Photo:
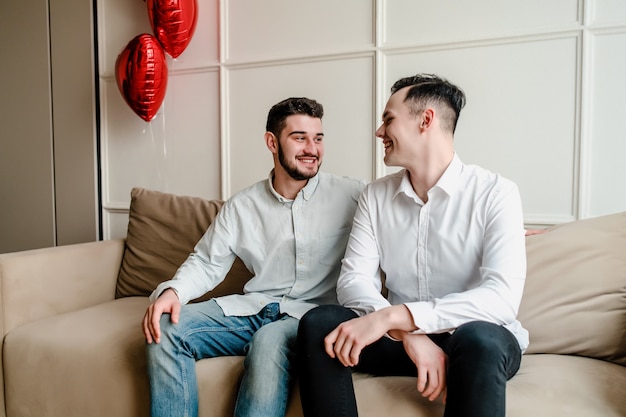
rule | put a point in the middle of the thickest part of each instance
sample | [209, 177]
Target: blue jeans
[267, 339]
[481, 358]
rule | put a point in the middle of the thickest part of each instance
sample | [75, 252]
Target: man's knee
[320, 321]
[484, 342]
[476, 336]
[273, 339]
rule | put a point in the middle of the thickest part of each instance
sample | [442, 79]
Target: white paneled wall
[179, 150]
[544, 82]
[516, 122]
[337, 83]
[605, 182]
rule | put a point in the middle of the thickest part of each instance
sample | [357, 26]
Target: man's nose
[380, 131]
[310, 147]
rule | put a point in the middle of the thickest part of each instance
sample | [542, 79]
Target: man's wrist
[173, 290]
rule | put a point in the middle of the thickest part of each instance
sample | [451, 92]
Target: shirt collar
[307, 191]
[449, 182]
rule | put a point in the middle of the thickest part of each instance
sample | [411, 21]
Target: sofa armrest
[40, 283]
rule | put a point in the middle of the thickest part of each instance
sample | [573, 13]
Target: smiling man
[449, 238]
[291, 232]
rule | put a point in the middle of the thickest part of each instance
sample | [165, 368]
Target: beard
[293, 170]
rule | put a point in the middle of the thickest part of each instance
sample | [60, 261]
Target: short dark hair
[432, 90]
[288, 107]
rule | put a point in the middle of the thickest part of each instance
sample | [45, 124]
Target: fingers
[431, 384]
[154, 323]
[150, 324]
[166, 303]
[436, 385]
[339, 345]
[431, 363]
[146, 330]
[175, 313]
[347, 351]
[329, 343]
[422, 380]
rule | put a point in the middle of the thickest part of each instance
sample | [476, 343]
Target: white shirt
[293, 247]
[460, 257]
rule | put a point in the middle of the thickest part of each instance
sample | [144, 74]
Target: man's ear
[428, 116]
[271, 142]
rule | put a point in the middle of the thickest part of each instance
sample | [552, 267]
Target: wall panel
[177, 150]
[426, 22]
[607, 125]
[605, 12]
[273, 29]
[522, 124]
[337, 84]
[119, 21]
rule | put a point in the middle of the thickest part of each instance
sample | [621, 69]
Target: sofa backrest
[162, 231]
[575, 294]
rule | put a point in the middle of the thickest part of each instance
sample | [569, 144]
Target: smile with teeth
[387, 144]
[308, 159]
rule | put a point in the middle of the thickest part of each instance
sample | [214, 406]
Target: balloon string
[159, 151]
[163, 148]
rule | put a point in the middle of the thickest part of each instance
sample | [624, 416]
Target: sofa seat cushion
[89, 362]
[545, 386]
[562, 385]
[92, 363]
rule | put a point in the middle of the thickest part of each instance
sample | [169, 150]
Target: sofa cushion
[163, 229]
[563, 385]
[89, 362]
[92, 363]
[575, 295]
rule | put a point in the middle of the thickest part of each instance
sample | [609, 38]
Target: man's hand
[431, 363]
[349, 338]
[166, 303]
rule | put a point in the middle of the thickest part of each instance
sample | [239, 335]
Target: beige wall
[47, 128]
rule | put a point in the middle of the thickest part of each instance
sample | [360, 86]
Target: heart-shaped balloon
[173, 23]
[141, 75]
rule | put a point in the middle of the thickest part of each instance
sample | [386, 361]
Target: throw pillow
[575, 295]
[163, 230]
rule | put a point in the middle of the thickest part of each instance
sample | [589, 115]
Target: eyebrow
[302, 132]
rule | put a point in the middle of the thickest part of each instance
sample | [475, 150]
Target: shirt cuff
[424, 316]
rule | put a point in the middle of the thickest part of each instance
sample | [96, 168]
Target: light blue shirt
[457, 258]
[293, 247]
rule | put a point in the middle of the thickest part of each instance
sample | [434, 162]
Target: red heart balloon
[141, 75]
[173, 23]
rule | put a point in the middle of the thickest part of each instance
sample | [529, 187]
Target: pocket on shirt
[332, 246]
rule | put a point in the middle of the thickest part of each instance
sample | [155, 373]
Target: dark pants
[481, 358]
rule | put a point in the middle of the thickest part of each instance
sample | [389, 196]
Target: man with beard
[291, 232]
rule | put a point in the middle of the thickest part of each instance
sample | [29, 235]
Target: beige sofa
[72, 345]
